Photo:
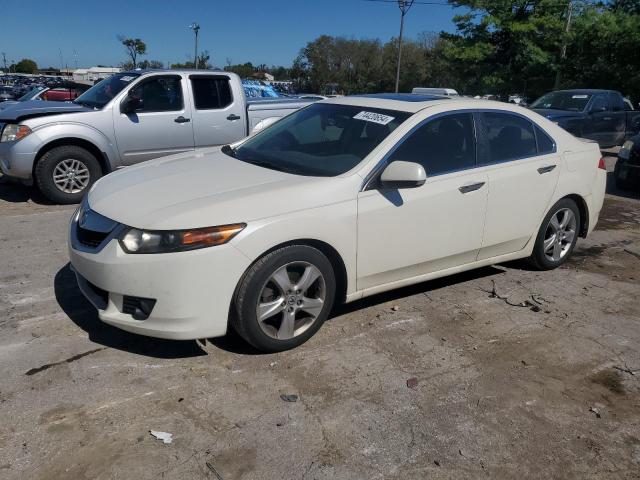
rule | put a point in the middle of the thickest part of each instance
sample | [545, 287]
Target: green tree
[506, 47]
[244, 70]
[133, 47]
[203, 62]
[25, 65]
[604, 51]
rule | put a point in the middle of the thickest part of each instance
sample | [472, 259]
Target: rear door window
[506, 137]
[211, 93]
[443, 145]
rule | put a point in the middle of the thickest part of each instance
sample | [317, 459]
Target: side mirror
[130, 105]
[401, 174]
[598, 109]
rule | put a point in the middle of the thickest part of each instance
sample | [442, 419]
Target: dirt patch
[610, 379]
[618, 215]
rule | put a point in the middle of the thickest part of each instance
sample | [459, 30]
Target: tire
[556, 252]
[303, 310]
[67, 159]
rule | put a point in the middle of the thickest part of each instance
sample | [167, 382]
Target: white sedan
[343, 199]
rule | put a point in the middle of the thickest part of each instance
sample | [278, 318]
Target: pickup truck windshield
[572, 101]
[102, 93]
[322, 140]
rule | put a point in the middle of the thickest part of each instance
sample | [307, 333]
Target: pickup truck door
[160, 123]
[219, 113]
[602, 123]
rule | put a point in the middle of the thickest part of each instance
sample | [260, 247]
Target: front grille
[139, 308]
[89, 238]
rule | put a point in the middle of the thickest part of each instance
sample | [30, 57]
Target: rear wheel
[64, 174]
[557, 236]
[284, 298]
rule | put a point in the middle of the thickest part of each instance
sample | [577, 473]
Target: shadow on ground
[83, 314]
[14, 192]
[613, 190]
[419, 288]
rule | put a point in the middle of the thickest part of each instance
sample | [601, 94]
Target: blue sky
[270, 32]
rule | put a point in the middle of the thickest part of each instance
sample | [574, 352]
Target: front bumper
[193, 290]
[16, 158]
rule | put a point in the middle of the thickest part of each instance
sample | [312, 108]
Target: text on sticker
[374, 117]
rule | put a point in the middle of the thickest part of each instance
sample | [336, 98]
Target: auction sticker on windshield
[374, 117]
[127, 78]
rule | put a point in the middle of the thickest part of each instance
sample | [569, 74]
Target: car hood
[7, 104]
[206, 188]
[552, 114]
[39, 108]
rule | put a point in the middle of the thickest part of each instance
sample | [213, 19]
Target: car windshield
[102, 93]
[320, 140]
[30, 94]
[572, 101]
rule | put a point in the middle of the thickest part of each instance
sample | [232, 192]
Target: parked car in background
[126, 119]
[627, 169]
[599, 115]
[66, 93]
[447, 92]
[6, 94]
[338, 201]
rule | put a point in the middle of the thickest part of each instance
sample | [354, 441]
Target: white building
[90, 75]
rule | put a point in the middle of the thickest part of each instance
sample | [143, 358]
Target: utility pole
[563, 51]
[61, 60]
[196, 28]
[4, 60]
[404, 5]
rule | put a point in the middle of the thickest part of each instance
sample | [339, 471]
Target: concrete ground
[439, 380]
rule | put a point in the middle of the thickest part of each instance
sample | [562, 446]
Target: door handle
[546, 169]
[606, 118]
[181, 119]
[233, 117]
[471, 187]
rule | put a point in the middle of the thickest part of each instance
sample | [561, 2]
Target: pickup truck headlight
[13, 132]
[135, 240]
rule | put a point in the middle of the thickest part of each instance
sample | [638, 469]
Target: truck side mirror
[598, 109]
[130, 104]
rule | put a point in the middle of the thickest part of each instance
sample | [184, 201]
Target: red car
[60, 94]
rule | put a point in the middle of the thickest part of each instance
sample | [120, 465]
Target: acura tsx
[342, 199]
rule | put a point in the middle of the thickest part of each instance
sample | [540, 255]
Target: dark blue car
[600, 115]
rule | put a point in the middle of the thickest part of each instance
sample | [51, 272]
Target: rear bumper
[596, 200]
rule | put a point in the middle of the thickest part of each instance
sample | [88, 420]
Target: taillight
[601, 164]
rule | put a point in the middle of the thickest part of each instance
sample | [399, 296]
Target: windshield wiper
[271, 165]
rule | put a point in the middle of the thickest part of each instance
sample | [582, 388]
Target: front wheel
[284, 298]
[557, 236]
[64, 174]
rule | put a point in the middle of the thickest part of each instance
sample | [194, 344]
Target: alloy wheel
[71, 176]
[291, 300]
[559, 235]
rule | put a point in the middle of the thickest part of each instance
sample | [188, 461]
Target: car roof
[412, 103]
[586, 90]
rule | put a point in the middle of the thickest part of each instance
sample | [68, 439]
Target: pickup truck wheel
[64, 174]
[284, 298]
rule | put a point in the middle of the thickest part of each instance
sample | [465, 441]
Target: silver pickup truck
[128, 118]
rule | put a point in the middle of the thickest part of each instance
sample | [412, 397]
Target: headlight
[135, 240]
[13, 132]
